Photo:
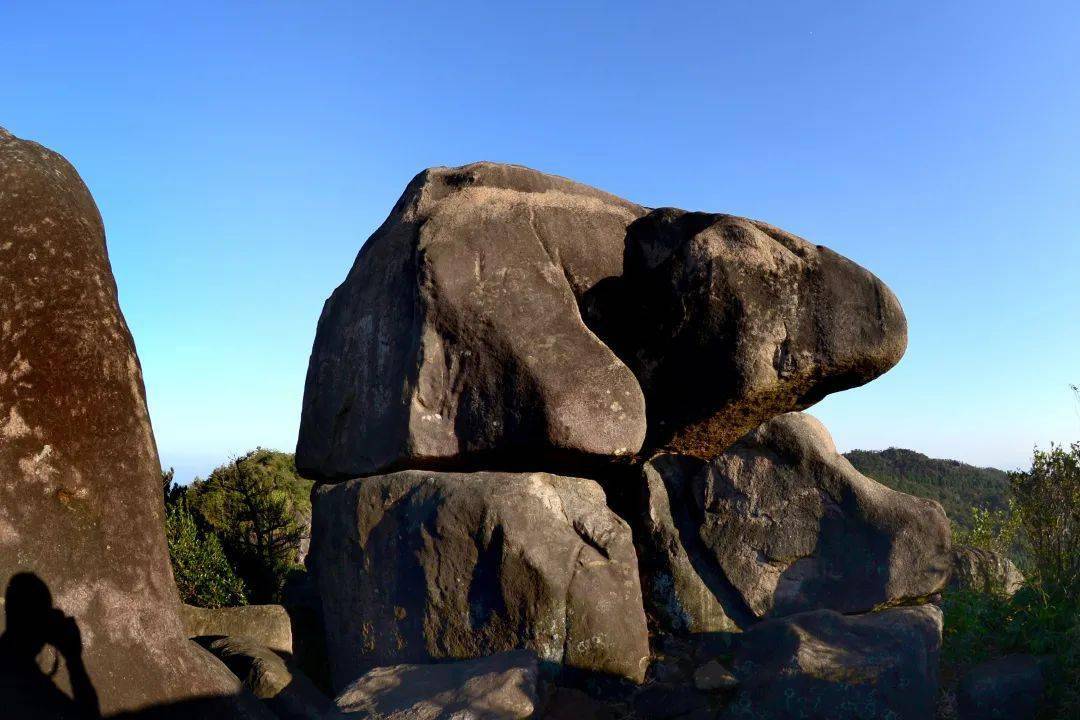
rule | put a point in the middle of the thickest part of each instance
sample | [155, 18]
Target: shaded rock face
[499, 687]
[727, 322]
[1007, 687]
[822, 665]
[501, 317]
[780, 523]
[267, 625]
[457, 332]
[984, 571]
[416, 566]
[80, 498]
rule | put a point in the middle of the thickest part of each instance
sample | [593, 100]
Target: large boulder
[267, 625]
[822, 665]
[778, 524]
[499, 687]
[501, 315]
[420, 566]
[727, 322]
[1007, 687]
[457, 333]
[983, 570]
[81, 512]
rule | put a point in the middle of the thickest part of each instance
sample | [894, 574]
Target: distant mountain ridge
[957, 486]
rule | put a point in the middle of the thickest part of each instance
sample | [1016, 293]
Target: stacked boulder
[514, 357]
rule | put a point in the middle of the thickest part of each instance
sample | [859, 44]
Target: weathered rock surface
[265, 625]
[286, 691]
[1007, 687]
[780, 523]
[727, 322]
[457, 332]
[984, 571]
[80, 498]
[498, 687]
[478, 325]
[419, 566]
[822, 665]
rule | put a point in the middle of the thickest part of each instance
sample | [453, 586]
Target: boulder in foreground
[822, 665]
[422, 566]
[1006, 687]
[498, 687]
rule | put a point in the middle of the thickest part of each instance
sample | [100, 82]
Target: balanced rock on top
[457, 332]
[501, 317]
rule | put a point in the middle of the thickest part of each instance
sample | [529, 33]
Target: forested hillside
[957, 486]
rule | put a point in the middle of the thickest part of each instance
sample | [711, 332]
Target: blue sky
[241, 153]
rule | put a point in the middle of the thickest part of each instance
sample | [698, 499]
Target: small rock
[714, 676]
[1009, 687]
[498, 687]
[984, 570]
[265, 625]
[287, 692]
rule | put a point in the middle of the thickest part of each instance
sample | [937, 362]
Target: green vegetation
[258, 510]
[203, 574]
[1042, 518]
[957, 486]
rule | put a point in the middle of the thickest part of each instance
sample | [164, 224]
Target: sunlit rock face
[502, 317]
[80, 496]
[456, 337]
[727, 322]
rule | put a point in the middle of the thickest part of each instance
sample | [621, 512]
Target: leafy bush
[1047, 501]
[1043, 618]
[260, 508]
[203, 574]
[991, 529]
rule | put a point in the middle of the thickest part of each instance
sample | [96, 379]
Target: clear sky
[241, 153]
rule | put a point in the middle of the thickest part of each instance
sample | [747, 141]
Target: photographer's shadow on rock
[33, 624]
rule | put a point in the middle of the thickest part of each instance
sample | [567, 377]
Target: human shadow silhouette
[26, 690]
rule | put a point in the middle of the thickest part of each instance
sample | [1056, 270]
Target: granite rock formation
[498, 687]
[822, 665]
[420, 566]
[457, 332]
[501, 316]
[780, 523]
[984, 570]
[81, 514]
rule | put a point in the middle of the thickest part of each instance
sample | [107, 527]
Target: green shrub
[1047, 502]
[260, 509]
[1043, 618]
[991, 529]
[203, 574]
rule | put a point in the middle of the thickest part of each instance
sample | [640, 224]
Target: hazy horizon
[240, 159]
